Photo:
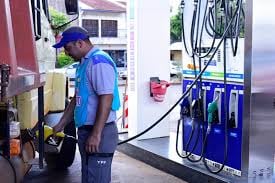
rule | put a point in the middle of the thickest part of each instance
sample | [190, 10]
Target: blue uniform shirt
[96, 75]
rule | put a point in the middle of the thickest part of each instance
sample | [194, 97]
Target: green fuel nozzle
[212, 112]
[212, 108]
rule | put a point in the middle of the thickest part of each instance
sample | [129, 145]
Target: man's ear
[80, 43]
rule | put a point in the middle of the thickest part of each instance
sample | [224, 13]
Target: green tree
[175, 28]
[57, 19]
[63, 59]
[220, 22]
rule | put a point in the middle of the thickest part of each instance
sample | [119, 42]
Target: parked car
[175, 69]
[70, 70]
[122, 73]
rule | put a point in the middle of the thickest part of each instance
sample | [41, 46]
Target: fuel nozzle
[232, 121]
[222, 7]
[212, 114]
[54, 139]
[196, 113]
[182, 5]
[195, 108]
[185, 108]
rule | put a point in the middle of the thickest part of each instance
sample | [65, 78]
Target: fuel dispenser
[191, 115]
[227, 119]
[212, 113]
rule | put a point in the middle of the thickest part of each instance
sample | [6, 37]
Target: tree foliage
[57, 19]
[63, 59]
[175, 28]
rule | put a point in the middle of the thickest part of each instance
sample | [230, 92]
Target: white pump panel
[204, 103]
[233, 105]
[218, 98]
[147, 56]
[190, 97]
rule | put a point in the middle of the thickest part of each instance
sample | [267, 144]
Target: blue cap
[72, 34]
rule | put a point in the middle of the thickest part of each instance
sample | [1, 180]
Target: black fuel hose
[177, 139]
[225, 120]
[186, 92]
[200, 42]
[188, 141]
[197, 6]
[234, 46]
[205, 139]
[202, 151]
[199, 85]
[187, 153]
[195, 21]
[183, 36]
[197, 51]
[211, 17]
[196, 126]
[209, 27]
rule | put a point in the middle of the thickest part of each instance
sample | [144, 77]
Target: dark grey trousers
[97, 168]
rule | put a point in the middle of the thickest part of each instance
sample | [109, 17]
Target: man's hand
[58, 128]
[66, 118]
[102, 113]
[92, 143]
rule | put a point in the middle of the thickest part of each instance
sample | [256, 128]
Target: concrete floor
[138, 172]
[124, 170]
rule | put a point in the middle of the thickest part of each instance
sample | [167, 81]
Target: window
[36, 16]
[46, 8]
[109, 28]
[119, 57]
[91, 26]
[171, 56]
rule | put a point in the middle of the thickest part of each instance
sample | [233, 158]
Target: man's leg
[99, 164]
[82, 137]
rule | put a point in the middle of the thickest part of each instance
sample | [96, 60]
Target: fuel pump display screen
[235, 65]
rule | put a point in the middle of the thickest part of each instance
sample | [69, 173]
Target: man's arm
[67, 116]
[103, 111]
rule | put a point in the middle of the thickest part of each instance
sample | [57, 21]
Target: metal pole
[4, 129]
[41, 125]
[4, 105]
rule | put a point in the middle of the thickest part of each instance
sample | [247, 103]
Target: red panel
[7, 52]
[23, 35]
[18, 46]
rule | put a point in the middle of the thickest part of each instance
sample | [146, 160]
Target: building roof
[104, 5]
[122, 2]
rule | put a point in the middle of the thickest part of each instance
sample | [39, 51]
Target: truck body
[30, 89]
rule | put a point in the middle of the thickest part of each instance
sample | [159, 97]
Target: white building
[174, 7]
[106, 22]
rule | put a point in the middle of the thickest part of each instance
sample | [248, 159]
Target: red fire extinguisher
[158, 88]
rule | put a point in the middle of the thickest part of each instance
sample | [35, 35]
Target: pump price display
[234, 65]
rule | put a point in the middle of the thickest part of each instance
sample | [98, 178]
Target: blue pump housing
[215, 143]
